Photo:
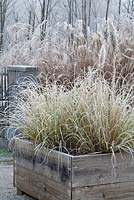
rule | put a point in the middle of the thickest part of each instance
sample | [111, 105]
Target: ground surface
[5, 155]
[7, 191]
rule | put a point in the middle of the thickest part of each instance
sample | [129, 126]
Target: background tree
[32, 16]
[129, 6]
[45, 14]
[89, 16]
[107, 9]
[73, 10]
[119, 10]
[84, 17]
[5, 7]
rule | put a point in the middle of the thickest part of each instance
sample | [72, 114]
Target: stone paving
[7, 191]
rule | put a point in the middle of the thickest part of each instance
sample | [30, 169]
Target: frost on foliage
[19, 33]
[64, 46]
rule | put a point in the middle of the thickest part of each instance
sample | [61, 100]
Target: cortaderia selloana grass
[95, 116]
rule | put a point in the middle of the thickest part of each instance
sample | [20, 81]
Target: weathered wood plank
[97, 169]
[24, 153]
[58, 176]
[117, 191]
[56, 165]
[48, 179]
[40, 187]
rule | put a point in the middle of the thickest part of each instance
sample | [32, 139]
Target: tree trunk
[76, 10]
[132, 8]
[120, 3]
[2, 24]
[70, 12]
[107, 13]
[119, 13]
[107, 10]
[43, 11]
[33, 22]
[4, 7]
[89, 17]
[84, 17]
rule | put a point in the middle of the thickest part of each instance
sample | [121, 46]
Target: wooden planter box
[65, 177]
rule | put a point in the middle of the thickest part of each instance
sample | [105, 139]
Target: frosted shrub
[92, 117]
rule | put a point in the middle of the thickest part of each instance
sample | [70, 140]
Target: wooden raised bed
[65, 177]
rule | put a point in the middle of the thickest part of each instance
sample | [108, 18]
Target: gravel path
[7, 192]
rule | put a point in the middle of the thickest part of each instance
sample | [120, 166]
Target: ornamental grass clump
[94, 116]
[65, 54]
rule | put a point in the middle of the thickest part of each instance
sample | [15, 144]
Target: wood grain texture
[40, 187]
[116, 191]
[42, 175]
[97, 169]
[57, 176]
